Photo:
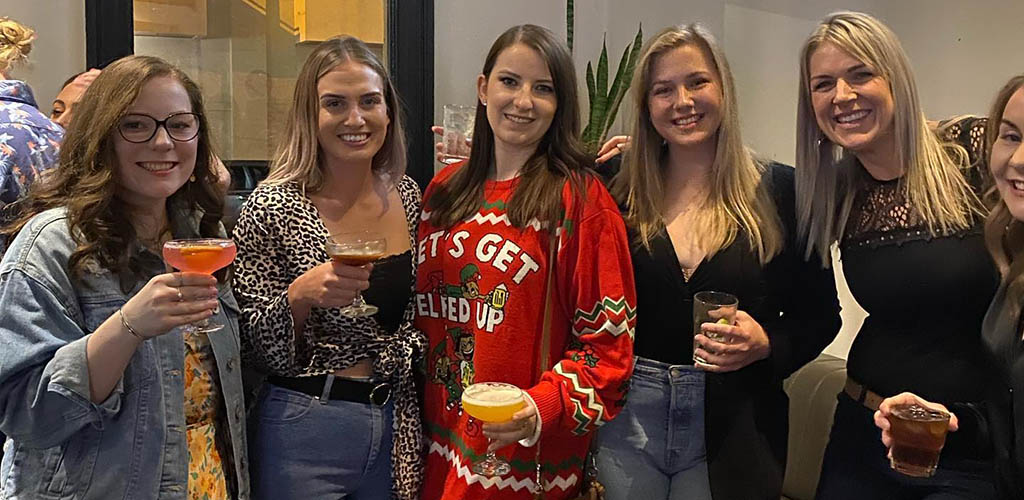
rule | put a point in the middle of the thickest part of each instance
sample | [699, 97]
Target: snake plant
[604, 101]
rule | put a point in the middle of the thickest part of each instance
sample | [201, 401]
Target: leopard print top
[280, 236]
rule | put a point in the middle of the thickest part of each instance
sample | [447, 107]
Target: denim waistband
[665, 373]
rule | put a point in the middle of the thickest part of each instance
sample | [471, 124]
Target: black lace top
[925, 295]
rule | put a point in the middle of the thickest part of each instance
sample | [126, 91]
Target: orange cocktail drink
[200, 256]
[492, 402]
[205, 256]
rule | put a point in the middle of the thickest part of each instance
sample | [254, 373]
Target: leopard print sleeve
[261, 285]
[412, 199]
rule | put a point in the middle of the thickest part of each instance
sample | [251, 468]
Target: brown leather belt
[862, 394]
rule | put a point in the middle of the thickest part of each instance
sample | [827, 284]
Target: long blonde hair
[738, 199]
[299, 156]
[1004, 235]
[934, 183]
[15, 43]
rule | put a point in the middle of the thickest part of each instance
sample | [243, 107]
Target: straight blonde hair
[299, 157]
[1004, 235]
[826, 174]
[738, 198]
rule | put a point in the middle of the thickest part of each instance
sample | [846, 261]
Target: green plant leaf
[591, 86]
[602, 69]
[620, 93]
[616, 92]
[598, 110]
[570, 22]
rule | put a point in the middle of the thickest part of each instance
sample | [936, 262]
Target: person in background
[102, 393]
[69, 95]
[29, 142]
[997, 421]
[904, 207]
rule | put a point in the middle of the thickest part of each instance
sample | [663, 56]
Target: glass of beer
[458, 126]
[712, 307]
[205, 256]
[492, 402]
[357, 249]
[918, 435]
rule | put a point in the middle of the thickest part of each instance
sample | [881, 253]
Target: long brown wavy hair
[86, 184]
[559, 157]
[1004, 235]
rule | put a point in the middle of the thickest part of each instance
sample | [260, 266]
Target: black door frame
[109, 34]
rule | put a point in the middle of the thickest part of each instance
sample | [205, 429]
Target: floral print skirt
[206, 461]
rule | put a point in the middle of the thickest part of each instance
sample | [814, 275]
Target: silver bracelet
[120, 312]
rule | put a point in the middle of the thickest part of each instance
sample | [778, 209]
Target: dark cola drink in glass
[918, 434]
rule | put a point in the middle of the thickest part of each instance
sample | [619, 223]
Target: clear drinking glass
[918, 435]
[712, 307]
[458, 126]
[206, 255]
[492, 402]
[357, 249]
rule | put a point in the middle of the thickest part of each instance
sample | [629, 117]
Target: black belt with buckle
[330, 387]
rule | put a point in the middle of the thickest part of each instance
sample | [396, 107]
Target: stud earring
[192, 178]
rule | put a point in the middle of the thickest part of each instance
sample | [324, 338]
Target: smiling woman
[541, 225]
[94, 353]
[336, 382]
[902, 206]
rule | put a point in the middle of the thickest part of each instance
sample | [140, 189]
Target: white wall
[961, 52]
[59, 49]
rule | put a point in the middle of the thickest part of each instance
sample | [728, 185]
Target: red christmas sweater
[480, 300]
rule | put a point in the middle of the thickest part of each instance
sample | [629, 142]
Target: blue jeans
[654, 448]
[302, 448]
[856, 466]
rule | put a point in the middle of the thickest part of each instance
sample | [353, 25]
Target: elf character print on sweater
[464, 302]
[454, 367]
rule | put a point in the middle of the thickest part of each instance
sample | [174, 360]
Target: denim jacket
[60, 445]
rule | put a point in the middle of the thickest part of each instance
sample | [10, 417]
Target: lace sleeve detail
[969, 133]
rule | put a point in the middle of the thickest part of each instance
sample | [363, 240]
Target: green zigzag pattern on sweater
[517, 464]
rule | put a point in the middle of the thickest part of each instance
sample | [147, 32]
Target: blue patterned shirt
[29, 141]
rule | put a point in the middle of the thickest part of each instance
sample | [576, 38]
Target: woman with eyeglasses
[102, 393]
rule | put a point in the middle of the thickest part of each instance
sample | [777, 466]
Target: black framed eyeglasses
[138, 128]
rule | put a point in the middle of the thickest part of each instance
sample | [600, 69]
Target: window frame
[109, 35]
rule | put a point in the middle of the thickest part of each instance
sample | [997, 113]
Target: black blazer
[999, 421]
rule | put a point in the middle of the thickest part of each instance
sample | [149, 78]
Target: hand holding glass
[458, 127]
[918, 435]
[492, 402]
[204, 256]
[712, 307]
[357, 249]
